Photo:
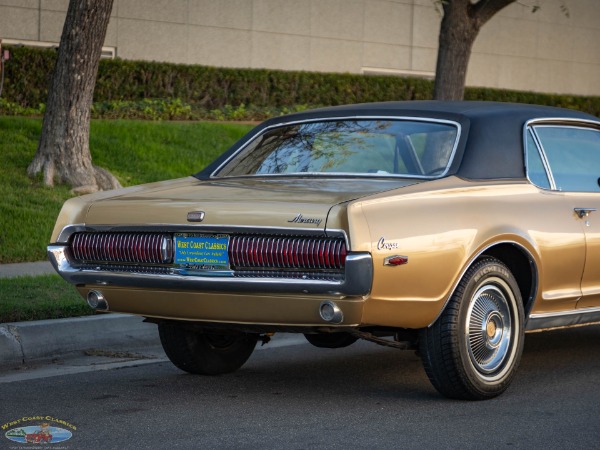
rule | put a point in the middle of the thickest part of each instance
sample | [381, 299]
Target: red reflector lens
[396, 260]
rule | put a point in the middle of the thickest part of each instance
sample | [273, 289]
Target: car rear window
[408, 148]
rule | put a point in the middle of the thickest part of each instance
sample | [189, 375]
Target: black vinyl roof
[491, 142]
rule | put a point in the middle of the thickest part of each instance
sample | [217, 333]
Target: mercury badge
[301, 219]
[195, 216]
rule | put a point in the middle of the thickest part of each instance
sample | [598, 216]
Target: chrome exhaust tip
[330, 312]
[97, 301]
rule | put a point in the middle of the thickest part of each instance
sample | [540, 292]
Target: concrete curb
[23, 343]
[26, 342]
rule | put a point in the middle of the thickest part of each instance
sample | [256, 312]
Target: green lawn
[135, 151]
[41, 297]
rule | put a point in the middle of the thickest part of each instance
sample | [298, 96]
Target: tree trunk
[460, 26]
[457, 35]
[63, 153]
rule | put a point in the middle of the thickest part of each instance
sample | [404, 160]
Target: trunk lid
[277, 202]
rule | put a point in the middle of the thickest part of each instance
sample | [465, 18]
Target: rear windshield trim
[457, 125]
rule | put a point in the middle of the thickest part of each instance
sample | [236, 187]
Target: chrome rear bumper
[356, 281]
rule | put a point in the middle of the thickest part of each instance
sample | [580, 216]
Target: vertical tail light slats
[148, 248]
[245, 252]
[286, 253]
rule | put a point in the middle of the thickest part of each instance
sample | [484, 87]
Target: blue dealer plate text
[202, 250]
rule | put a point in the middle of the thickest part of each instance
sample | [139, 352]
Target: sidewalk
[29, 268]
[26, 344]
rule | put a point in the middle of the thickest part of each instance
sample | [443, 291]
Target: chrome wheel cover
[490, 329]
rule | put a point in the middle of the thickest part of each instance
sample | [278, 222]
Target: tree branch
[484, 10]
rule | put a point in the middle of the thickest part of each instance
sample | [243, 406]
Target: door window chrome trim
[559, 122]
[542, 154]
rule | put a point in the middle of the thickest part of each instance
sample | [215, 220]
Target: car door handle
[584, 212]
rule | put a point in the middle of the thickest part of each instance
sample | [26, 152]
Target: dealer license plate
[208, 252]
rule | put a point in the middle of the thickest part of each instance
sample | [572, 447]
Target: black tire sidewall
[330, 340]
[224, 359]
[485, 271]
[195, 352]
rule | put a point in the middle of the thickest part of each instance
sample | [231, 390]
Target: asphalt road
[301, 397]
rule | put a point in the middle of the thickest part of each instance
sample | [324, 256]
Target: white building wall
[544, 51]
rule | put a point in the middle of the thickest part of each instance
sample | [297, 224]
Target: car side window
[573, 154]
[535, 167]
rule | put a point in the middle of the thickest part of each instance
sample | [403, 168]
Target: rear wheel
[205, 353]
[330, 340]
[472, 351]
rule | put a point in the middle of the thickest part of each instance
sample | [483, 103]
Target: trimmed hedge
[205, 88]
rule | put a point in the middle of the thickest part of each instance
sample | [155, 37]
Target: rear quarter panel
[442, 226]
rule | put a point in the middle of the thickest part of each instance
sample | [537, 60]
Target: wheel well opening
[522, 267]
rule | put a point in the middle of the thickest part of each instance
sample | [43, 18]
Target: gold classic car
[447, 227]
